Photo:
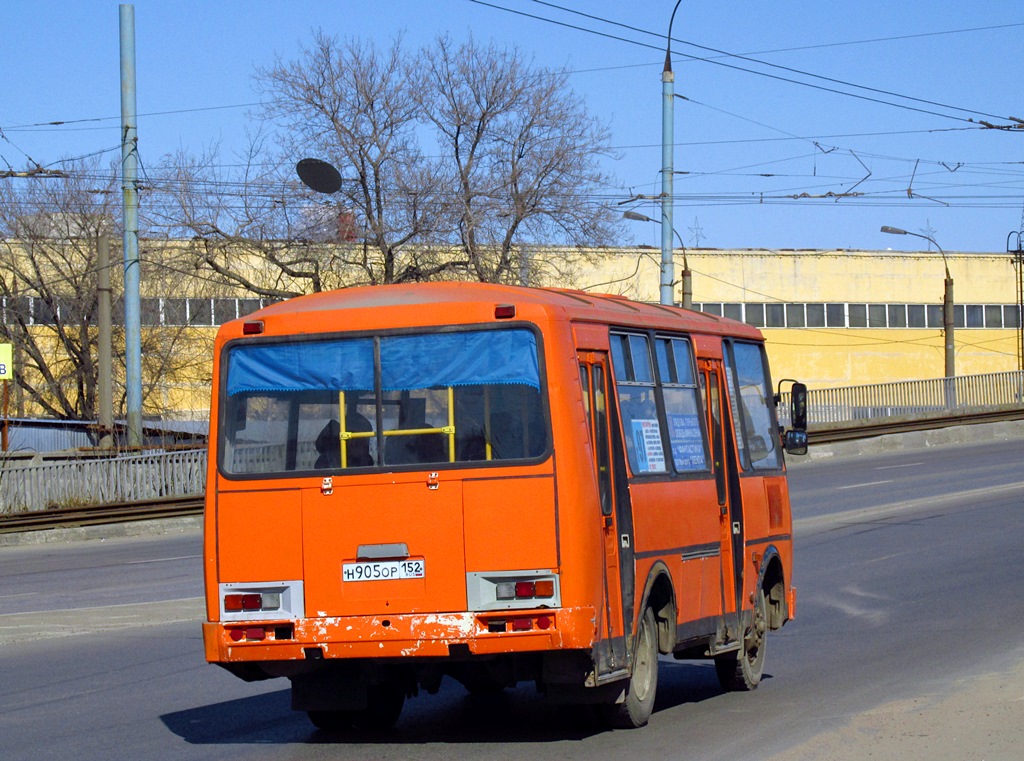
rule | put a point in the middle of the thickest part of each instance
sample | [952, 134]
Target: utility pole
[1016, 250]
[105, 385]
[130, 194]
[668, 79]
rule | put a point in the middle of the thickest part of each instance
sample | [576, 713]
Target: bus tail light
[511, 590]
[247, 633]
[251, 602]
[252, 327]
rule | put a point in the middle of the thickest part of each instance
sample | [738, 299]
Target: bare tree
[454, 161]
[49, 233]
[520, 150]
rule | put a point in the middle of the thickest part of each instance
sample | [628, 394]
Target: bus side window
[682, 411]
[634, 384]
[757, 434]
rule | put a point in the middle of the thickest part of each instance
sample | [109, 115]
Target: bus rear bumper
[438, 635]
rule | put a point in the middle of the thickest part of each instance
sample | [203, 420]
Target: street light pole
[687, 280]
[948, 321]
[667, 168]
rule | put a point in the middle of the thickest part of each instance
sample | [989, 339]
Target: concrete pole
[667, 164]
[105, 385]
[130, 193]
[948, 323]
[667, 169]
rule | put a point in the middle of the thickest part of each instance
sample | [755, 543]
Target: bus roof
[370, 307]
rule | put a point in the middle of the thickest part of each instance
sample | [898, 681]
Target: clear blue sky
[195, 59]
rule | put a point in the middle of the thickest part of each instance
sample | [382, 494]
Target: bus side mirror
[798, 407]
[795, 442]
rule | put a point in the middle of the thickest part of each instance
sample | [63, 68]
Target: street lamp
[667, 149]
[947, 299]
[687, 280]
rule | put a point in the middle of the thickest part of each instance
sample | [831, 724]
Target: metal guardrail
[36, 486]
[128, 478]
[919, 400]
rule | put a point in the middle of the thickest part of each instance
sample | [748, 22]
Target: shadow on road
[451, 716]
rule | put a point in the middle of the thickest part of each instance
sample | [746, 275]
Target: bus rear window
[381, 402]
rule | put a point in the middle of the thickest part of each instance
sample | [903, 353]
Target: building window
[993, 316]
[877, 316]
[916, 316]
[897, 315]
[755, 315]
[715, 309]
[835, 315]
[815, 315]
[224, 310]
[858, 315]
[247, 306]
[175, 312]
[795, 316]
[959, 318]
[200, 312]
[775, 315]
[733, 311]
[975, 316]
[1011, 316]
[149, 311]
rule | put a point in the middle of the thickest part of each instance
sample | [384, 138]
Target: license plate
[383, 570]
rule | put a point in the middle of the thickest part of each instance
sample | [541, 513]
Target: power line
[752, 71]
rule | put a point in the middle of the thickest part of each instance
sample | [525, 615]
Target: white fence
[919, 399]
[129, 478]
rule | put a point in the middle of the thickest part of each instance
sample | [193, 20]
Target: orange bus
[494, 484]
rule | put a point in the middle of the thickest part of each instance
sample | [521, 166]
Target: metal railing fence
[26, 486]
[128, 478]
[921, 399]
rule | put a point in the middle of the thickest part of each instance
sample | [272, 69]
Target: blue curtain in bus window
[304, 366]
[437, 360]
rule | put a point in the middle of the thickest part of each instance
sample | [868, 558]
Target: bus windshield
[382, 402]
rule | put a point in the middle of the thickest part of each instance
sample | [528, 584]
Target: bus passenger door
[726, 472]
[611, 650]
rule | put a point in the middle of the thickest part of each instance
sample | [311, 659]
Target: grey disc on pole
[319, 175]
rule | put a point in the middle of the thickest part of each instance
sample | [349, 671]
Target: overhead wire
[739, 68]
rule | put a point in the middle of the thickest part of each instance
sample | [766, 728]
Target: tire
[384, 705]
[742, 670]
[638, 706]
[332, 721]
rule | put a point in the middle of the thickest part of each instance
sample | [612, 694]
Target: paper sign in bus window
[687, 442]
[650, 454]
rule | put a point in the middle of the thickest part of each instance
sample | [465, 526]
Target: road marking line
[861, 486]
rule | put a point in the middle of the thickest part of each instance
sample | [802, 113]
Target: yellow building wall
[828, 357]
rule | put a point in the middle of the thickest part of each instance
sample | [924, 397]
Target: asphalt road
[908, 569]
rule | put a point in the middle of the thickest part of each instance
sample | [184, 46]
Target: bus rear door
[615, 523]
[726, 472]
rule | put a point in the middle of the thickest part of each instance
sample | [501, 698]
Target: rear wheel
[383, 707]
[636, 709]
[742, 670]
[332, 721]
